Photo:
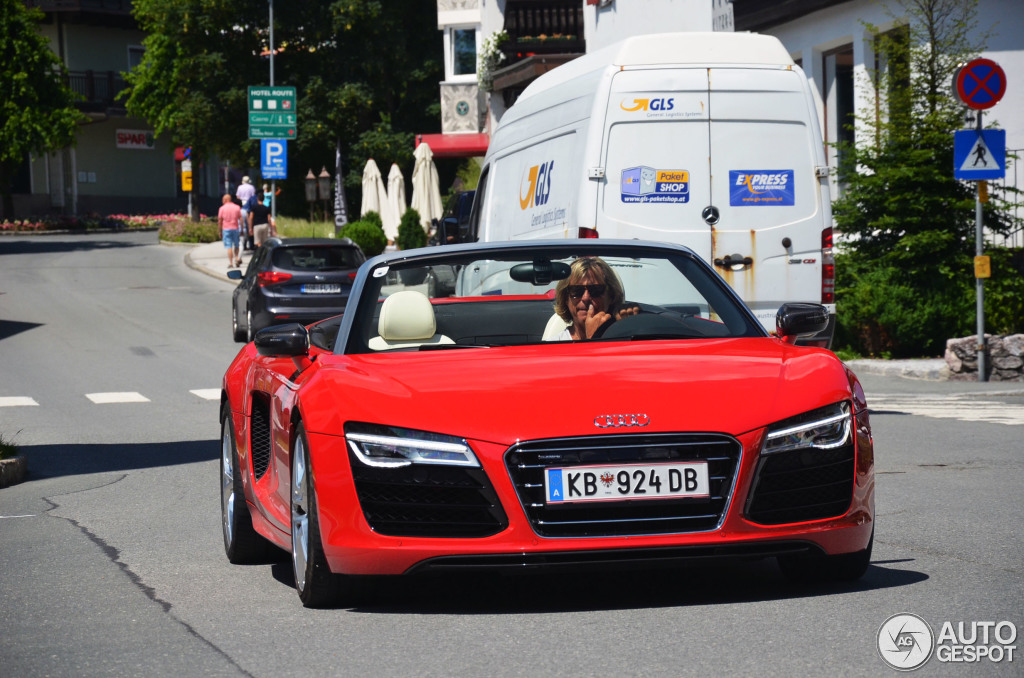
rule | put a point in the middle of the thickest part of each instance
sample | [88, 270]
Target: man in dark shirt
[261, 223]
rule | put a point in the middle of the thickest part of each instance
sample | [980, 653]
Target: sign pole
[273, 182]
[979, 250]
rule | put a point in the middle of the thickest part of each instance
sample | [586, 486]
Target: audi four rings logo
[618, 420]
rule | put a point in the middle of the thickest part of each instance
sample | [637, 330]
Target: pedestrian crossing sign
[979, 154]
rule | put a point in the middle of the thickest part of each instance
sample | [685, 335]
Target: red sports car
[543, 404]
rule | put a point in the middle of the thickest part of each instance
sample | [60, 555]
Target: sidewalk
[212, 259]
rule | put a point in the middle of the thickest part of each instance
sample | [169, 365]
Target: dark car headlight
[393, 447]
[824, 428]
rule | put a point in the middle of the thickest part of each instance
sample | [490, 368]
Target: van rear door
[656, 158]
[764, 151]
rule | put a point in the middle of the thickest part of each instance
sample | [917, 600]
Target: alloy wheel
[300, 514]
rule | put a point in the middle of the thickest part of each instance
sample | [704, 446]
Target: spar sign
[137, 139]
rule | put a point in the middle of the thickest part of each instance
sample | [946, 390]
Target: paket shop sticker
[648, 185]
[761, 187]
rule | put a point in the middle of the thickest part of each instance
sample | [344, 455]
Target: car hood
[503, 395]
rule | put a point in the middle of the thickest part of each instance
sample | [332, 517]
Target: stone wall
[1005, 358]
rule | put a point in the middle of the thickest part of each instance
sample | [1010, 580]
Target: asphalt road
[111, 560]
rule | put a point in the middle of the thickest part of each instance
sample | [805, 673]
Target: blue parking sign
[274, 158]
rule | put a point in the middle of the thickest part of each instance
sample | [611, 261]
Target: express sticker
[648, 185]
[761, 187]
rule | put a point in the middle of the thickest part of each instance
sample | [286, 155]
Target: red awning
[455, 145]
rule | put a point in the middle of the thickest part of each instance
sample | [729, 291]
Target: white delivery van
[710, 140]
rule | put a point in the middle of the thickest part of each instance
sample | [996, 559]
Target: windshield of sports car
[471, 297]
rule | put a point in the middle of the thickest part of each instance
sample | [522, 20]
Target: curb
[929, 370]
[12, 471]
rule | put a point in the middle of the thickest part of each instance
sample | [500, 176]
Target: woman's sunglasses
[596, 291]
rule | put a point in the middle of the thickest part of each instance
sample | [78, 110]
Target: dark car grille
[526, 463]
[424, 500]
[801, 485]
[259, 435]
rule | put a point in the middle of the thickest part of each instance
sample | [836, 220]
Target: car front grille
[527, 461]
[802, 485]
[259, 435]
[424, 500]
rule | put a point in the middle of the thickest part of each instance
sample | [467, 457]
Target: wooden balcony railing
[98, 89]
[543, 27]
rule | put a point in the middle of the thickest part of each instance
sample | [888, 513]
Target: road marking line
[31, 515]
[950, 407]
[122, 397]
[18, 401]
[207, 393]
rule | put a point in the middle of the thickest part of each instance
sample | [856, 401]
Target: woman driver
[591, 296]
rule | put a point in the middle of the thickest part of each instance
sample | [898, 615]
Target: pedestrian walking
[261, 222]
[228, 221]
[246, 195]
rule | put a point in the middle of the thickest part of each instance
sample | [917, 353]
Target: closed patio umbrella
[396, 194]
[375, 198]
[426, 190]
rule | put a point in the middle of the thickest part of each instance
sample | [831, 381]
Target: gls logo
[537, 182]
[649, 105]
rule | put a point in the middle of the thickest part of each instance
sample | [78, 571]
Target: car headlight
[824, 428]
[393, 447]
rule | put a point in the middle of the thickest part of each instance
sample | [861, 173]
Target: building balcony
[98, 89]
[542, 36]
[100, 6]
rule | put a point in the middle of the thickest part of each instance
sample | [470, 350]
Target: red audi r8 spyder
[543, 404]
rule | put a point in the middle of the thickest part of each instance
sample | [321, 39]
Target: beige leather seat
[407, 320]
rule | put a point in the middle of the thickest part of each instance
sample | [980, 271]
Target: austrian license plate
[616, 483]
[321, 288]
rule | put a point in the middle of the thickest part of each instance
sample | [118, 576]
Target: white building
[828, 38]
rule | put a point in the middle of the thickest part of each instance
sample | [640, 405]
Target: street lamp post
[324, 180]
[310, 192]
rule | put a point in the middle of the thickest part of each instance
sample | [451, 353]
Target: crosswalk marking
[17, 401]
[117, 397]
[962, 407]
[108, 398]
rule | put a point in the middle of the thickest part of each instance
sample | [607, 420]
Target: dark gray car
[289, 280]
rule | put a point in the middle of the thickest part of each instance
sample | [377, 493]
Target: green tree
[365, 74]
[37, 109]
[904, 284]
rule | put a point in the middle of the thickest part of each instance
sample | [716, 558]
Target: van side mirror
[792, 320]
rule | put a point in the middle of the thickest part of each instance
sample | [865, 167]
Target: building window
[135, 53]
[463, 51]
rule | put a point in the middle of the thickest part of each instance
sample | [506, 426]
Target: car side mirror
[282, 341]
[792, 320]
[448, 231]
[235, 274]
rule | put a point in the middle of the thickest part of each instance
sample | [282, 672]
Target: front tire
[316, 584]
[818, 568]
[242, 543]
[236, 330]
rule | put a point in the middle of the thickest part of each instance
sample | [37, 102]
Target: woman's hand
[594, 321]
[626, 312]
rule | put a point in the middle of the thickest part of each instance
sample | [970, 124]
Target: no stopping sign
[980, 84]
